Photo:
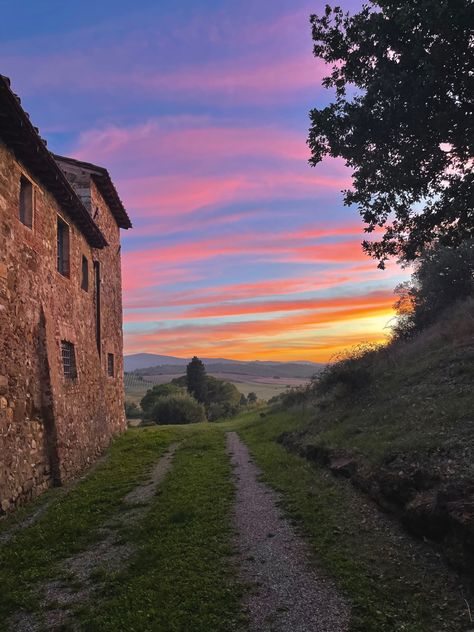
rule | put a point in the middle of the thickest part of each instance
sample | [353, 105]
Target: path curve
[289, 596]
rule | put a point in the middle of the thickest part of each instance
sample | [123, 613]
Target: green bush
[352, 372]
[152, 396]
[443, 276]
[179, 408]
[132, 411]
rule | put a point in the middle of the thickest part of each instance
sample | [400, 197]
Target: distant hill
[143, 360]
[153, 364]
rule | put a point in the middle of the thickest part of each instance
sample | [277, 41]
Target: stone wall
[52, 427]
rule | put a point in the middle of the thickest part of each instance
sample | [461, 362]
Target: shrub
[294, 396]
[153, 395]
[131, 410]
[179, 408]
[352, 371]
[252, 398]
[443, 276]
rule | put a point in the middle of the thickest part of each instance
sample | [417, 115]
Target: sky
[199, 109]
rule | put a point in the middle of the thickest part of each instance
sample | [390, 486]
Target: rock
[343, 466]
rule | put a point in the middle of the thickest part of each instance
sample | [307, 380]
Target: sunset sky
[199, 109]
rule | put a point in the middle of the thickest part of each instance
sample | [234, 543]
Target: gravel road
[288, 595]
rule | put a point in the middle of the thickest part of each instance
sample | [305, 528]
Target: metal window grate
[110, 364]
[69, 359]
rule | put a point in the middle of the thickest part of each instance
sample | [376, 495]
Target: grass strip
[394, 583]
[69, 524]
[181, 577]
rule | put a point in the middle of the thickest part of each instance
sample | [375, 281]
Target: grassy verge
[69, 524]
[181, 577]
[394, 583]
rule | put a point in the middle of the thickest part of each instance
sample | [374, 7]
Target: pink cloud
[156, 139]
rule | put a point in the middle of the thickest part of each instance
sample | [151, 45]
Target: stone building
[61, 366]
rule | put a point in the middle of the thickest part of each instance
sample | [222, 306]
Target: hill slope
[151, 364]
[406, 435]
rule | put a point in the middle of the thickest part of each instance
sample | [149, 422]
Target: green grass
[418, 403]
[181, 577]
[394, 583]
[70, 522]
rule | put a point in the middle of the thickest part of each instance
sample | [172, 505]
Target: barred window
[110, 364]
[27, 197]
[69, 359]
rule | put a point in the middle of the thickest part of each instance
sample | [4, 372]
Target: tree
[243, 400]
[196, 379]
[131, 410]
[180, 408]
[252, 398]
[153, 394]
[442, 277]
[401, 119]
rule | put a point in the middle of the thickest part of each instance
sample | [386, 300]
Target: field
[264, 387]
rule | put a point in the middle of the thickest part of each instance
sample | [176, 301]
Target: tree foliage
[131, 410]
[402, 118]
[179, 408]
[153, 394]
[252, 398]
[196, 379]
[443, 276]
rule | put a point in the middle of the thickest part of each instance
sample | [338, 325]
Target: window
[63, 247]
[110, 365]
[69, 359]
[26, 202]
[97, 304]
[85, 274]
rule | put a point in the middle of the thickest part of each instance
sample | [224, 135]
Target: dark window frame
[63, 255]
[111, 364]
[97, 290]
[85, 274]
[68, 356]
[26, 202]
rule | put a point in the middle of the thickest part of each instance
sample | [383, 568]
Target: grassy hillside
[400, 424]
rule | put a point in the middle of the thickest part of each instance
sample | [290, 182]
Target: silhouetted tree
[401, 118]
[252, 398]
[443, 275]
[196, 379]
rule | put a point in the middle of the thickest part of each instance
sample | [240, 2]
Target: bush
[132, 411]
[352, 371]
[179, 408]
[443, 276]
[294, 396]
[152, 396]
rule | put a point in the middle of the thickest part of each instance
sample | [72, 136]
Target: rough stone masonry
[61, 366]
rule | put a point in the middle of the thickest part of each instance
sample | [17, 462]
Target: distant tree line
[193, 398]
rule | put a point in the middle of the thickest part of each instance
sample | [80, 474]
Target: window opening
[63, 247]
[97, 303]
[69, 359]
[110, 365]
[26, 202]
[85, 274]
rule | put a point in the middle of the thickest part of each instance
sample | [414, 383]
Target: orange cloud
[330, 316]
